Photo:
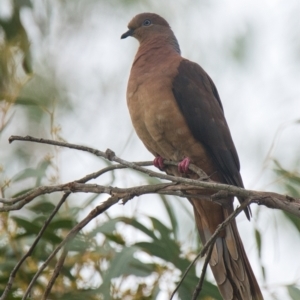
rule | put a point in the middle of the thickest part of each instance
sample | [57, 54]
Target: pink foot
[183, 166]
[158, 162]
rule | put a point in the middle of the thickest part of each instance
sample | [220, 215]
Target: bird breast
[156, 116]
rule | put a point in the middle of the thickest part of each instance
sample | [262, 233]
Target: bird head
[149, 26]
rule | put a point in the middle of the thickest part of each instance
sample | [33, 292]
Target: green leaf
[78, 295]
[189, 284]
[167, 250]
[161, 228]
[117, 238]
[133, 222]
[22, 3]
[61, 223]
[187, 287]
[258, 242]
[294, 220]
[26, 101]
[21, 193]
[44, 207]
[7, 266]
[120, 263]
[105, 250]
[106, 228]
[191, 280]
[123, 264]
[32, 228]
[294, 292]
[140, 269]
[41, 171]
[290, 177]
[79, 243]
[109, 226]
[292, 190]
[171, 214]
[185, 208]
[211, 290]
[24, 174]
[38, 173]
[154, 248]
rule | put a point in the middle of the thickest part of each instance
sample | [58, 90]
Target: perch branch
[175, 186]
[271, 200]
[203, 272]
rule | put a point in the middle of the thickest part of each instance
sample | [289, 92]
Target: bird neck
[157, 47]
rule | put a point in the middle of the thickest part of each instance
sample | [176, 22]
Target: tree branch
[269, 199]
[55, 274]
[70, 236]
[201, 280]
[29, 252]
[175, 186]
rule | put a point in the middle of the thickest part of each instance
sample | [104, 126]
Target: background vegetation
[63, 75]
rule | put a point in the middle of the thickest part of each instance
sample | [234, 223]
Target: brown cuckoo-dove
[177, 113]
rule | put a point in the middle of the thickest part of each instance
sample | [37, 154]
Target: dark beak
[127, 34]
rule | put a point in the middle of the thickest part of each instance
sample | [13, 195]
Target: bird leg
[158, 162]
[183, 166]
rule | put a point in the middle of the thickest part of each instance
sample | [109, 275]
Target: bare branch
[29, 252]
[55, 274]
[201, 280]
[175, 186]
[211, 241]
[271, 200]
[70, 236]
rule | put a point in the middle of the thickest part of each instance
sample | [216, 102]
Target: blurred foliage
[102, 252]
[294, 292]
[14, 48]
[14, 44]
[291, 186]
[102, 262]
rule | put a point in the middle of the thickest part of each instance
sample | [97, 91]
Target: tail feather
[229, 262]
[230, 243]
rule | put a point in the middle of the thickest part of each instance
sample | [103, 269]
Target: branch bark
[174, 186]
[180, 185]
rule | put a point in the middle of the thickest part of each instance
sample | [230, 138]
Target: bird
[177, 113]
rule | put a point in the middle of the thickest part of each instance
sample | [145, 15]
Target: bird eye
[147, 22]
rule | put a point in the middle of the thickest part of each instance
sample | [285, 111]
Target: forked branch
[174, 186]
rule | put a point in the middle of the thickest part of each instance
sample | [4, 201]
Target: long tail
[229, 262]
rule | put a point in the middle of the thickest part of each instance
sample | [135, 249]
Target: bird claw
[158, 162]
[183, 166]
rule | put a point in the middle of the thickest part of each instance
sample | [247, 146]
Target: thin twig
[271, 200]
[201, 280]
[75, 187]
[70, 236]
[45, 189]
[55, 274]
[57, 143]
[211, 241]
[29, 252]
[178, 186]
[185, 274]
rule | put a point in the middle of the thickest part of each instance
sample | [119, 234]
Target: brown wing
[200, 104]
